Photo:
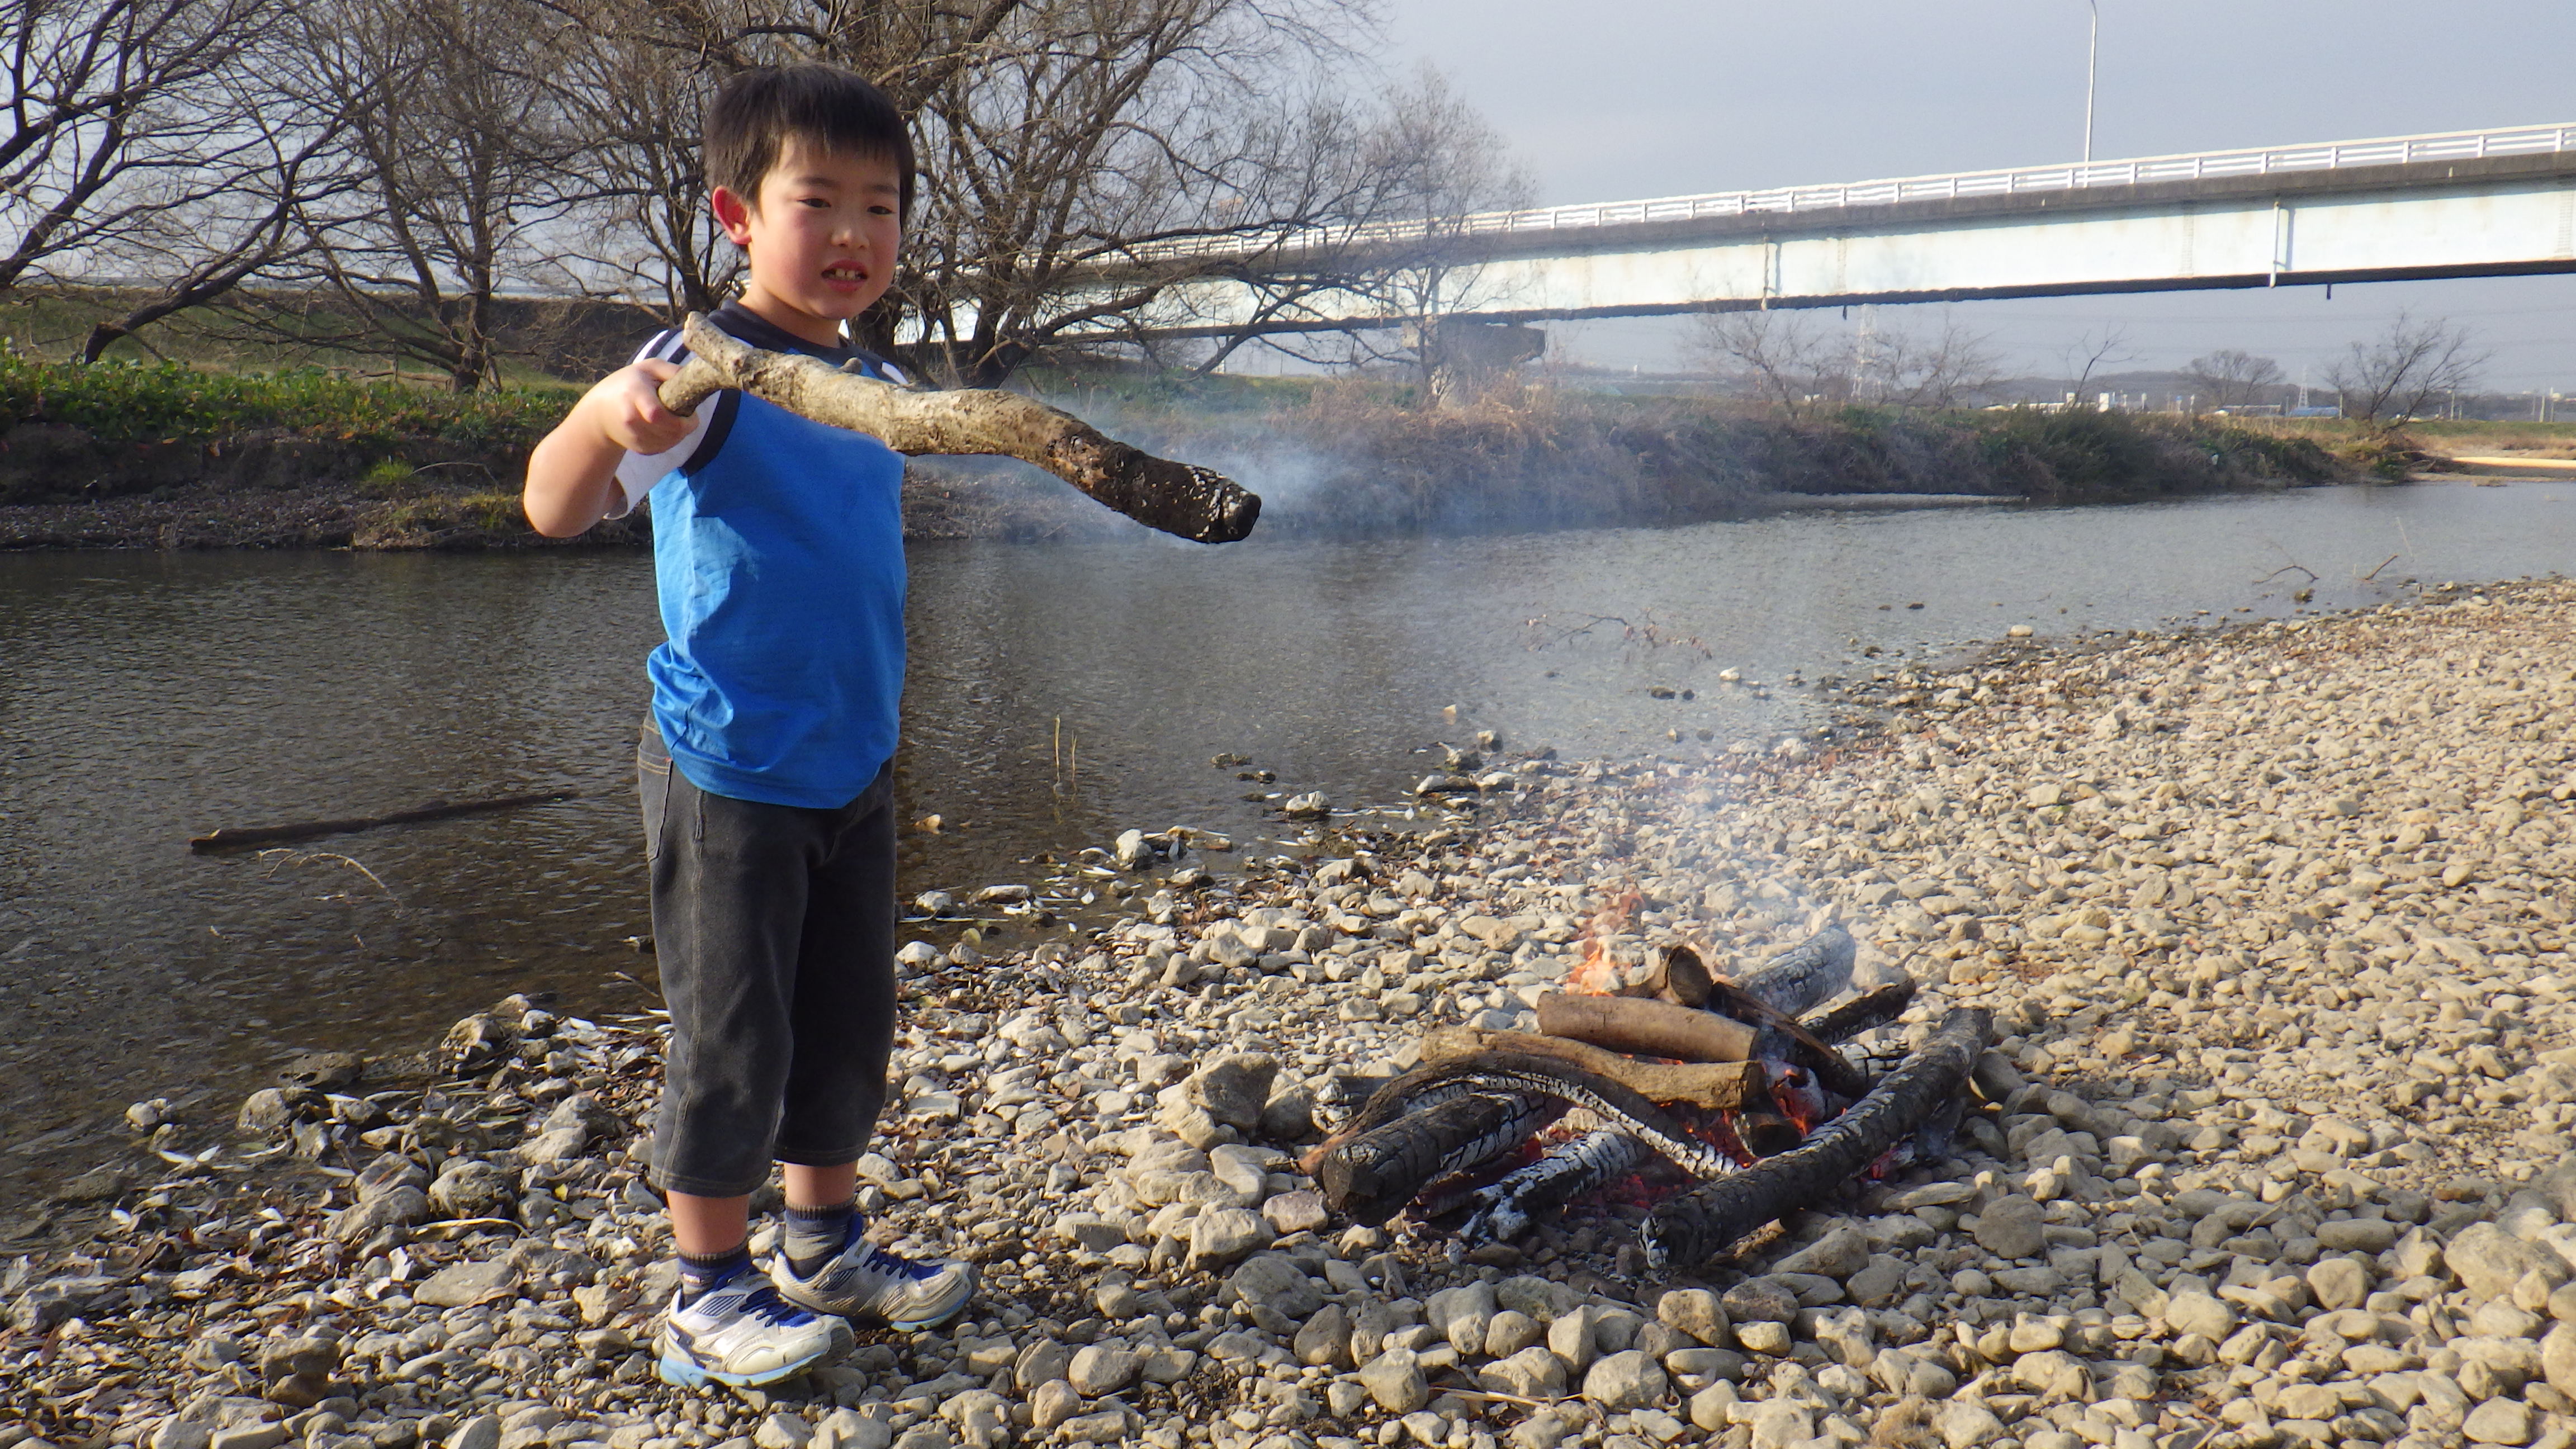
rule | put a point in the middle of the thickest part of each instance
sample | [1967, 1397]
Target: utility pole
[2092, 64]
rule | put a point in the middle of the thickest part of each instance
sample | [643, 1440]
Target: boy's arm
[572, 475]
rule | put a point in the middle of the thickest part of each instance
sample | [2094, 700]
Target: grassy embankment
[168, 455]
[2428, 444]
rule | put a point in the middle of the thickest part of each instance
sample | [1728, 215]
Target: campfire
[1729, 1103]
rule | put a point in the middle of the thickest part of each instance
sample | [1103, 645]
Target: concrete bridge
[2459, 204]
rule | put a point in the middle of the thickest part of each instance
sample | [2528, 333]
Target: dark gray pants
[774, 929]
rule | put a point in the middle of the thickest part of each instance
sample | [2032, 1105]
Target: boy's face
[821, 237]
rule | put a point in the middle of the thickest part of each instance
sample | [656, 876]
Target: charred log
[1178, 498]
[1370, 1177]
[1875, 1008]
[1687, 1232]
[1766, 1133]
[1799, 979]
[1397, 1145]
[1505, 1208]
[1713, 1086]
[1778, 1036]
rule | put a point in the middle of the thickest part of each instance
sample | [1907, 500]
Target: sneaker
[866, 1283]
[741, 1333]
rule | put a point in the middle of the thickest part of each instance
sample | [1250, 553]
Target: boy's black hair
[838, 110]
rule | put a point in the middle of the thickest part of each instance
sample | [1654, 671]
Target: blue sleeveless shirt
[778, 555]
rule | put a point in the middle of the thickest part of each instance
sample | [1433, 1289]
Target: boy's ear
[733, 214]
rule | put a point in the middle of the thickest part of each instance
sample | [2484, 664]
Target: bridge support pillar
[1461, 355]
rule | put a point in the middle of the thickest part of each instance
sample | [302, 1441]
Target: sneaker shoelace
[758, 1301]
[775, 1312]
[881, 1261]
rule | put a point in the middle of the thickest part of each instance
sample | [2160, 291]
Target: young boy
[766, 768]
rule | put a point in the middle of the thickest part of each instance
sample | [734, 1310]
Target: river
[1059, 694]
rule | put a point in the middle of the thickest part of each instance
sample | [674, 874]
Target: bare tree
[129, 123]
[1945, 368]
[1783, 357]
[1796, 361]
[1082, 159]
[2090, 353]
[2400, 373]
[1433, 162]
[1084, 172]
[247, 216]
[2232, 377]
[450, 112]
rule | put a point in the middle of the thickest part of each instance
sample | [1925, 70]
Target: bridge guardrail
[2071, 176]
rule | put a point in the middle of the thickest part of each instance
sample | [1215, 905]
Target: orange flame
[1597, 974]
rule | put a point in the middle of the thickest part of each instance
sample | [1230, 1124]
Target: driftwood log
[1178, 498]
[242, 838]
[1689, 1231]
[1712, 1086]
[1645, 1028]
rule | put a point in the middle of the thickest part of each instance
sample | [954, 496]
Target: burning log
[1410, 1133]
[1766, 1133]
[1645, 1028]
[1178, 498]
[1713, 1086]
[1689, 1231]
[1679, 976]
[1505, 1207]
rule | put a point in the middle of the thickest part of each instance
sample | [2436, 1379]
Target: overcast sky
[1620, 99]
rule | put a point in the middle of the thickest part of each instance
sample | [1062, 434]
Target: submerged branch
[235, 839]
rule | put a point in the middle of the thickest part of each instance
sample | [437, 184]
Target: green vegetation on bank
[130, 402]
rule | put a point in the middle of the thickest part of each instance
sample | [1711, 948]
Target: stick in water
[277, 834]
[1178, 498]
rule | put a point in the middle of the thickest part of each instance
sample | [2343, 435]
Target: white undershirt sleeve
[638, 472]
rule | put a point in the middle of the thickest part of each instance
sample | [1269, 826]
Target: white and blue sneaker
[866, 1284]
[740, 1333]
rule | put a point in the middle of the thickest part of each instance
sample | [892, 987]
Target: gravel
[2274, 922]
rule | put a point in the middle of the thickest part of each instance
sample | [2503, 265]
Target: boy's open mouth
[845, 274]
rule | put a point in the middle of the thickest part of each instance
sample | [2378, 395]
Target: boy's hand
[627, 407]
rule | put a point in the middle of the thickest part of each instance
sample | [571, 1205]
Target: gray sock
[815, 1234]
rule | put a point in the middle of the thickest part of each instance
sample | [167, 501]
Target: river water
[1060, 693]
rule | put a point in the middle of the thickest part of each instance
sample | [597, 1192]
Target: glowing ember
[1597, 974]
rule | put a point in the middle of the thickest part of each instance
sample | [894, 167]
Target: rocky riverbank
[2274, 923]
